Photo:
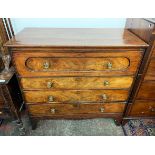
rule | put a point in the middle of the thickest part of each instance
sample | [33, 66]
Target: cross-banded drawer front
[30, 64]
[77, 83]
[71, 109]
[75, 96]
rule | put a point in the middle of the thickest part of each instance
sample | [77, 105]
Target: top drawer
[58, 64]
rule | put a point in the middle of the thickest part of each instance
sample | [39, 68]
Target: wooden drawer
[31, 64]
[143, 108]
[75, 96]
[147, 91]
[150, 74]
[71, 109]
[77, 64]
[77, 83]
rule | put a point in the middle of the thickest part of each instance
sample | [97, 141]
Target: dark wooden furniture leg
[118, 121]
[33, 123]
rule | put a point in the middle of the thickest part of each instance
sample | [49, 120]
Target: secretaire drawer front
[77, 64]
[77, 83]
[147, 91]
[143, 108]
[71, 109]
[75, 96]
[99, 63]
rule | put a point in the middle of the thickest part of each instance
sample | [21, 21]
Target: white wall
[20, 23]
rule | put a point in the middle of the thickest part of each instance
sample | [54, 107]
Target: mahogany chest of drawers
[76, 73]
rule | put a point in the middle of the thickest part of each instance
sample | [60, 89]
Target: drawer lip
[94, 103]
[101, 103]
[75, 104]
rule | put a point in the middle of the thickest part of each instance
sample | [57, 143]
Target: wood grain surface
[123, 82]
[79, 37]
[71, 109]
[75, 96]
[147, 91]
[77, 64]
[143, 108]
[30, 64]
[76, 72]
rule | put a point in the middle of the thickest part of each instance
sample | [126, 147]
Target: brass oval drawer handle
[104, 96]
[49, 84]
[46, 65]
[53, 111]
[109, 65]
[106, 83]
[50, 99]
[102, 109]
[1, 112]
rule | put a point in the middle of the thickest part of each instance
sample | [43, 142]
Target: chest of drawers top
[76, 37]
